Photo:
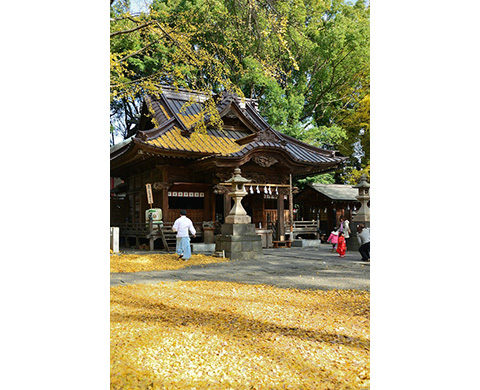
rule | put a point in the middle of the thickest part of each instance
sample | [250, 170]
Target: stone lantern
[239, 240]
[238, 214]
[363, 214]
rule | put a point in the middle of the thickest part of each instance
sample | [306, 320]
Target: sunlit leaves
[199, 45]
[225, 335]
[156, 262]
[301, 59]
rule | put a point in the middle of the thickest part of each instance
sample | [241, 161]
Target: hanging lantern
[265, 189]
[325, 210]
[258, 189]
[276, 190]
[348, 206]
[269, 190]
[251, 189]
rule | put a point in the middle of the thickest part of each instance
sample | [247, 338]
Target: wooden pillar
[164, 194]
[263, 216]
[150, 232]
[280, 216]
[143, 199]
[290, 207]
[209, 206]
[227, 205]
[164, 203]
[213, 204]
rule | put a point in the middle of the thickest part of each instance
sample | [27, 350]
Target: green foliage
[306, 61]
[203, 45]
[325, 178]
[353, 175]
[324, 136]
[356, 122]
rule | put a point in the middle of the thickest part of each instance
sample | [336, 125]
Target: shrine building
[187, 168]
[326, 203]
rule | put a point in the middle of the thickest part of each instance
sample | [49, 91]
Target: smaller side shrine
[327, 203]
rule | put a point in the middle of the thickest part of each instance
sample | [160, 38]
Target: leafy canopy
[306, 61]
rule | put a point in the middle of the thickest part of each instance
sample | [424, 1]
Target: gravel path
[302, 268]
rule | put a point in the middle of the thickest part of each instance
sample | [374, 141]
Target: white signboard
[149, 193]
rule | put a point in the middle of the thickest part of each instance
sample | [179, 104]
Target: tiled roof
[213, 141]
[177, 112]
[336, 191]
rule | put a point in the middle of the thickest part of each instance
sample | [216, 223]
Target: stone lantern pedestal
[363, 214]
[238, 238]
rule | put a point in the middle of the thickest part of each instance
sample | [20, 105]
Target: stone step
[202, 247]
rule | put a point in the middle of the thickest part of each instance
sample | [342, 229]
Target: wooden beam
[164, 193]
[259, 184]
[280, 218]
[290, 207]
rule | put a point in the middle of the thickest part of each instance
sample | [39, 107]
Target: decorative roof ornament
[264, 161]
[220, 190]
[161, 185]
[269, 136]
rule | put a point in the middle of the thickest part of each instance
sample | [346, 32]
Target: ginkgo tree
[203, 45]
[306, 61]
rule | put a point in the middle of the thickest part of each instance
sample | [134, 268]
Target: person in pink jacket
[333, 238]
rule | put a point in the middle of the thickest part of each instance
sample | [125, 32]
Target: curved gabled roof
[177, 112]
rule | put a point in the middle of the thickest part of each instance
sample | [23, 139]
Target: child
[333, 239]
[342, 245]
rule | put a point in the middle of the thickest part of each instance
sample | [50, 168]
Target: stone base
[352, 241]
[238, 219]
[237, 229]
[240, 242]
[306, 243]
[202, 247]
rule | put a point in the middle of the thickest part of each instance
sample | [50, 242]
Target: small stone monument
[238, 238]
[363, 214]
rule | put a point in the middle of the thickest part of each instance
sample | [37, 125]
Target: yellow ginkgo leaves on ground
[218, 335]
[156, 262]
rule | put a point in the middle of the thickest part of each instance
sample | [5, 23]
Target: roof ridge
[146, 135]
[316, 149]
[331, 184]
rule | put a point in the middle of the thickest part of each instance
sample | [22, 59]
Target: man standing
[363, 235]
[182, 225]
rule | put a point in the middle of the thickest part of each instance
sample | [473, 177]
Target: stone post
[363, 214]
[115, 239]
[239, 239]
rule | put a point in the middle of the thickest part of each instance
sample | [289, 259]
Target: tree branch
[178, 44]
[131, 30]
[138, 51]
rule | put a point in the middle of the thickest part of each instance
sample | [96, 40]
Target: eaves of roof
[336, 191]
[120, 148]
[171, 137]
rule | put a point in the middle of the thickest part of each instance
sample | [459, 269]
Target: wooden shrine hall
[187, 168]
[326, 203]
